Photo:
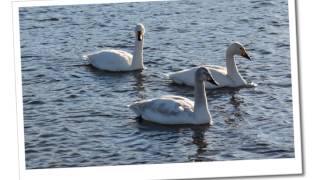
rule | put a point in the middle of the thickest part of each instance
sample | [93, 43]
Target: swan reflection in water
[133, 81]
[198, 138]
[234, 114]
[195, 135]
[138, 85]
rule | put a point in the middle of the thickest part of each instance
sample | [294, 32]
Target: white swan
[118, 60]
[226, 77]
[172, 110]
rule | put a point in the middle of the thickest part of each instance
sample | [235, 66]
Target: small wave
[66, 129]
[160, 29]
[261, 29]
[194, 23]
[275, 23]
[267, 4]
[47, 135]
[36, 102]
[101, 25]
[58, 100]
[259, 92]
[63, 88]
[244, 20]
[33, 27]
[279, 85]
[75, 76]
[262, 4]
[99, 114]
[29, 69]
[62, 151]
[75, 155]
[150, 48]
[31, 151]
[281, 44]
[30, 56]
[48, 19]
[72, 96]
[39, 76]
[266, 150]
[264, 52]
[53, 80]
[273, 33]
[183, 30]
[257, 18]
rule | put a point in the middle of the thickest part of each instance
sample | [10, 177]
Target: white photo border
[238, 168]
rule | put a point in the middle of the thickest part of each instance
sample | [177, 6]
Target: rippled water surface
[76, 116]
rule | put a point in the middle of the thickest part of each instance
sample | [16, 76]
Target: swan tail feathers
[135, 107]
[175, 78]
[85, 57]
[166, 76]
[171, 76]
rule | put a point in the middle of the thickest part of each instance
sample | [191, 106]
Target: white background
[308, 35]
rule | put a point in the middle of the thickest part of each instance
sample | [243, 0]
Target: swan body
[173, 110]
[228, 76]
[119, 60]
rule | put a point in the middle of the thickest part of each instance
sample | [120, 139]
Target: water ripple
[77, 116]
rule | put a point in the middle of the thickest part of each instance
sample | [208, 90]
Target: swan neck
[201, 105]
[137, 60]
[230, 63]
[232, 70]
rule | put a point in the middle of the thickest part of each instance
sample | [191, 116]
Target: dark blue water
[76, 116]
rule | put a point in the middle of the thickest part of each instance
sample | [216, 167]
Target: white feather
[119, 60]
[170, 110]
[228, 76]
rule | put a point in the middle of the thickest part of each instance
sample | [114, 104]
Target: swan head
[238, 49]
[140, 30]
[203, 74]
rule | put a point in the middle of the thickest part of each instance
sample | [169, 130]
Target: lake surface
[75, 115]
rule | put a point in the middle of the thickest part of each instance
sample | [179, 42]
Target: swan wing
[219, 73]
[111, 60]
[165, 110]
[180, 102]
[186, 76]
[222, 70]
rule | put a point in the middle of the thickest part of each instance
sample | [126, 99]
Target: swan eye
[139, 35]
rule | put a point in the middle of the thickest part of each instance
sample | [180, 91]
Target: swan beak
[245, 55]
[139, 35]
[212, 81]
